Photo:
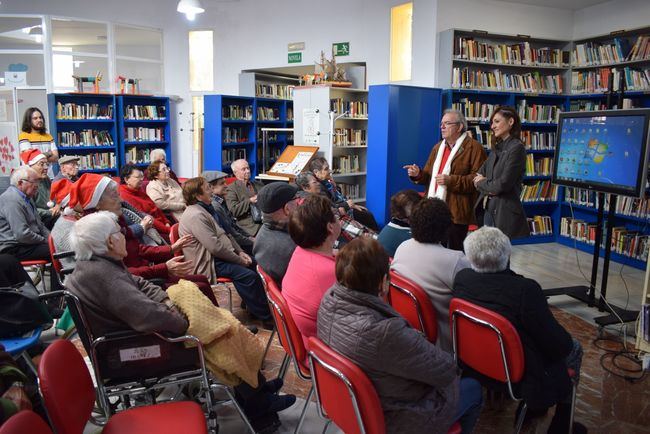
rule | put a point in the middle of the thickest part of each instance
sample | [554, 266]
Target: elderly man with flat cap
[273, 245]
[69, 168]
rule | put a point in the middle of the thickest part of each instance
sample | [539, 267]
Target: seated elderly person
[426, 261]
[226, 220]
[308, 184]
[131, 192]
[273, 244]
[160, 155]
[398, 229]
[214, 253]
[241, 195]
[166, 193]
[314, 228]
[47, 210]
[417, 383]
[548, 348]
[69, 168]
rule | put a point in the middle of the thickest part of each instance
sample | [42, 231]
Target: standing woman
[34, 135]
[499, 179]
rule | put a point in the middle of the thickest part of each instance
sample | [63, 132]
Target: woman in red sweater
[131, 191]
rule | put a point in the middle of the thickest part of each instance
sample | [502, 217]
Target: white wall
[611, 16]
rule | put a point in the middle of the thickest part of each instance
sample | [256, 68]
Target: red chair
[291, 340]
[40, 264]
[412, 302]
[70, 399]
[488, 343]
[266, 281]
[25, 421]
[230, 180]
[174, 236]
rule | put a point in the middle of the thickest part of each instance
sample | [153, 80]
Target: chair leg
[574, 391]
[520, 419]
[240, 410]
[41, 271]
[327, 425]
[268, 344]
[304, 410]
[284, 366]
[30, 364]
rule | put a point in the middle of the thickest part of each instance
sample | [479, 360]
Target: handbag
[21, 311]
[256, 213]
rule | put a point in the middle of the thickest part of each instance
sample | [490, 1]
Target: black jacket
[546, 343]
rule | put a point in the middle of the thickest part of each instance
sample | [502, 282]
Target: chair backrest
[66, 386]
[345, 393]
[25, 421]
[412, 302]
[76, 312]
[266, 278]
[288, 333]
[55, 262]
[230, 180]
[486, 342]
[173, 233]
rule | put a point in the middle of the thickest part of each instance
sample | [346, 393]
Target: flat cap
[274, 196]
[213, 175]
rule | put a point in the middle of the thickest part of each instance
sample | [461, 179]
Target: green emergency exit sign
[295, 57]
[341, 48]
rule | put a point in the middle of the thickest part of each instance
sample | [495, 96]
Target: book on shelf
[625, 205]
[272, 135]
[591, 105]
[84, 138]
[495, 79]
[593, 53]
[538, 166]
[135, 155]
[474, 110]
[97, 160]
[237, 113]
[641, 49]
[351, 191]
[354, 109]
[540, 191]
[538, 113]
[66, 111]
[273, 153]
[289, 114]
[144, 134]
[597, 81]
[349, 137]
[540, 225]
[145, 112]
[484, 137]
[230, 155]
[268, 114]
[234, 135]
[278, 91]
[538, 140]
[522, 53]
[346, 164]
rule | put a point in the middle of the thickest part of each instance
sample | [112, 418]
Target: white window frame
[42, 51]
[117, 57]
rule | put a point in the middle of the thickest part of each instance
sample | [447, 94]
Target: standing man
[449, 172]
[69, 165]
[241, 195]
[34, 135]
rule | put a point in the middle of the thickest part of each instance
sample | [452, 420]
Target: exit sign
[341, 48]
[295, 57]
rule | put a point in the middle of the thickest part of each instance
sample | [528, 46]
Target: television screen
[604, 151]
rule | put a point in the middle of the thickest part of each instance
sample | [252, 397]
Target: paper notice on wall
[310, 126]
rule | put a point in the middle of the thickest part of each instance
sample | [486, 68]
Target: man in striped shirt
[34, 135]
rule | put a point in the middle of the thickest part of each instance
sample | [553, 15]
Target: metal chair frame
[415, 302]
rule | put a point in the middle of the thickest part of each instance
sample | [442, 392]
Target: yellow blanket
[232, 352]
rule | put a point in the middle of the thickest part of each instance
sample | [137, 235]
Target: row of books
[596, 53]
[351, 191]
[234, 134]
[145, 112]
[625, 205]
[474, 110]
[509, 54]
[501, 81]
[354, 109]
[349, 137]
[237, 113]
[590, 105]
[231, 154]
[268, 114]
[484, 137]
[273, 153]
[641, 49]
[272, 137]
[84, 138]
[538, 166]
[597, 81]
[541, 191]
[624, 242]
[346, 164]
[540, 225]
[538, 140]
[538, 112]
[83, 111]
[102, 160]
[134, 134]
[135, 155]
[268, 90]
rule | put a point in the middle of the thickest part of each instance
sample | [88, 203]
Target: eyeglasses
[42, 164]
[31, 182]
[164, 169]
[448, 124]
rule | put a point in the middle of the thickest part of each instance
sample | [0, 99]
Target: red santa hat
[88, 189]
[60, 192]
[31, 156]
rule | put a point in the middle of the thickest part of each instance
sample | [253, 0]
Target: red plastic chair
[230, 180]
[412, 302]
[266, 281]
[290, 338]
[25, 421]
[41, 264]
[70, 399]
[488, 343]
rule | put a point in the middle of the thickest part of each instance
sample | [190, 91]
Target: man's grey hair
[155, 153]
[459, 115]
[90, 233]
[488, 250]
[20, 174]
[235, 164]
[303, 179]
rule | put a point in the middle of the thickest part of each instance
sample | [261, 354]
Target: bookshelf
[347, 154]
[233, 130]
[265, 85]
[143, 125]
[85, 125]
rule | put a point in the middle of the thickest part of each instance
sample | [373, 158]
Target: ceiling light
[191, 8]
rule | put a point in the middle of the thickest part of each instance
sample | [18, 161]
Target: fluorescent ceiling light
[191, 8]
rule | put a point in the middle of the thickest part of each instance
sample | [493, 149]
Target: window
[138, 54]
[201, 66]
[401, 24]
[21, 51]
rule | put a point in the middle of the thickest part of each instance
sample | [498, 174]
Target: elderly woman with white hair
[159, 154]
[113, 298]
[548, 348]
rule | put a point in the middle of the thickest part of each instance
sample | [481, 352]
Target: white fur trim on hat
[97, 194]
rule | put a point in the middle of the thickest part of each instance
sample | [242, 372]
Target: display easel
[290, 163]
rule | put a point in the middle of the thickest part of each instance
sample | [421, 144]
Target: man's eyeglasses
[448, 124]
[32, 182]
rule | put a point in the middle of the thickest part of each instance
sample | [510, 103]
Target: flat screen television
[605, 151]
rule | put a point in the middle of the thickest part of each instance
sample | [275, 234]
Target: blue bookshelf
[233, 130]
[70, 117]
[137, 137]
